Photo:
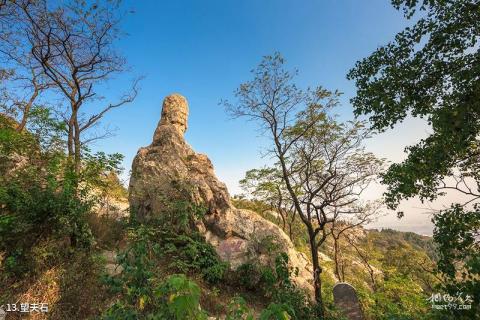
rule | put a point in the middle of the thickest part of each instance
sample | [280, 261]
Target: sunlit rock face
[169, 163]
[175, 112]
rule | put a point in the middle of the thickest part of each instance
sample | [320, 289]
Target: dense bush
[457, 235]
[175, 298]
[40, 203]
[33, 214]
[275, 284]
[192, 253]
[181, 245]
[44, 204]
[142, 291]
[158, 247]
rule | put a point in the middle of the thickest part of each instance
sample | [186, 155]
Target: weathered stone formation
[346, 300]
[239, 236]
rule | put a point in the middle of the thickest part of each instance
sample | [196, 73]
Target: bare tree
[323, 164]
[343, 228]
[23, 74]
[266, 185]
[73, 44]
[366, 258]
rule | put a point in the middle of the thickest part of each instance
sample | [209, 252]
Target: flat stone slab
[346, 300]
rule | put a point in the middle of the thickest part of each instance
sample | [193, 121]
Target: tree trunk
[317, 271]
[74, 146]
[77, 144]
[26, 111]
[280, 212]
[336, 258]
[70, 138]
[290, 232]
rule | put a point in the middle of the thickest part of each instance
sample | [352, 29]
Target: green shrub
[141, 292]
[181, 299]
[36, 212]
[248, 276]
[277, 312]
[182, 246]
[276, 285]
[237, 310]
[44, 204]
[191, 253]
[285, 293]
[176, 298]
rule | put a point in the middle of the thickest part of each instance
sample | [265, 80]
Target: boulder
[239, 236]
[346, 300]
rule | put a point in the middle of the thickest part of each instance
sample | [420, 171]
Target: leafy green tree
[38, 200]
[400, 298]
[323, 165]
[457, 233]
[431, 70]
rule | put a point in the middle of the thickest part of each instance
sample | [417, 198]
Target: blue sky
[205, 49]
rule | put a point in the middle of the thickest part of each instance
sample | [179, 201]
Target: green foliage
[142, 293]
[431, 71]
[456, 233]
[166, 241]
[98, 167]
[264, 184]
[418, 242]
[176, 298]
[44, 204]
[276, 285]
[137, 265]
[277, 312]
[47, 131]
[249, 276]
[39, 198]
[403, 276]
[237, 310]
[32, 213]
[182, 298]
[286, 294]
[177, 213]
[192, 253]
[185, 248]
[401, 298]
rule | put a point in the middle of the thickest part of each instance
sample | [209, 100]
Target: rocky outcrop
[239, 236]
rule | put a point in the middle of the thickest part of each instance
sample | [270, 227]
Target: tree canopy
[430, 70]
